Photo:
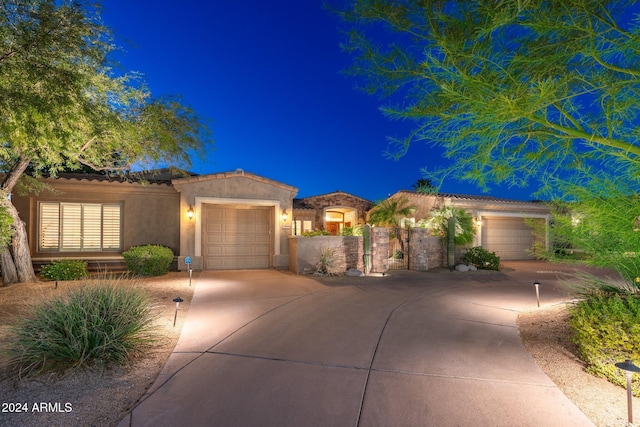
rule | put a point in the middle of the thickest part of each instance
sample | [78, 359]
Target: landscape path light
[177, 300]
[629, 368]
[537, 285]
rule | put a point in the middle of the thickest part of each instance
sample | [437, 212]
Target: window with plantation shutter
[91, 227]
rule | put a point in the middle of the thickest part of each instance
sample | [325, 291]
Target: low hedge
[148, 260]
[606, 330]
[65, 269]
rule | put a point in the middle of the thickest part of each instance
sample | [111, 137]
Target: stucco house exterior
[230, 220]
[501, 224]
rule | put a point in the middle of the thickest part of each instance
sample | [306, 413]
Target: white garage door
[235, 237]
[509, 238]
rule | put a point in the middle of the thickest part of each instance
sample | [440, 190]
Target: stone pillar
[379, 250]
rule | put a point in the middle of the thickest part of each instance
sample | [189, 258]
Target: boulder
[354, 272]
[472, 267]
[462, 267]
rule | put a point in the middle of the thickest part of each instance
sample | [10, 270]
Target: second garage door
[510, 238]
[236, 237]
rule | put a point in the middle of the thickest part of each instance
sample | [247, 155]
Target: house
[332, 212]
[503, 225]
[230, 220]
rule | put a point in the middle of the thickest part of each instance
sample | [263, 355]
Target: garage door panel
[510, 238]
[236, 237]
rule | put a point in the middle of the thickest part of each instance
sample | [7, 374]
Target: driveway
[435, 348]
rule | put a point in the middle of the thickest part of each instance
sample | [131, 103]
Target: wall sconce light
[190, 213]
[479, 221]
[285, 216]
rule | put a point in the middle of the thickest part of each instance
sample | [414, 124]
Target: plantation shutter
[49, 226]
[91, 227]
[111, 227]
[79, 226]
[71, 220]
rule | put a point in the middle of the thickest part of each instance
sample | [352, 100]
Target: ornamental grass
[97, 324]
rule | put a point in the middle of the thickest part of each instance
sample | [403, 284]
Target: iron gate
[399, 248]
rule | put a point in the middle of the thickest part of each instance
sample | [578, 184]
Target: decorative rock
[472, 267]
[354, 272]
[462, 267]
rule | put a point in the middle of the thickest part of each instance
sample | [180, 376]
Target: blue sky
[268, 76]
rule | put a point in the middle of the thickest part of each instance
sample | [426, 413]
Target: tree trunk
[9, 273]
[20, 249]
[15, 260]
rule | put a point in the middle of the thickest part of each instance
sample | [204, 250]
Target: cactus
[366, 234]
[451, 245]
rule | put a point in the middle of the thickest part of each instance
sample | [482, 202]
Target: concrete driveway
[436, 348]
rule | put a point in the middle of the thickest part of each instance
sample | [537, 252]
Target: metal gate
[399, 248]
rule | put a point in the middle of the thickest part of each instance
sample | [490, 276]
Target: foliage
[606, 329]
[316, 233]
[148, 260]
[539, 229]
[512, 91]
[482, 258]
[423, 185]
[94, 325]
[438, 224]
[63, 105]
[606, 228]
[352, 231]
[65, 269]
[389, 212]
[6, 227]
[326, 265]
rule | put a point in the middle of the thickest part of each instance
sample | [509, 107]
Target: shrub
[316, 233]
[92, 325]
[606, 330]
[65, 269]
[326, 265]
[482, 258]
[148, 260]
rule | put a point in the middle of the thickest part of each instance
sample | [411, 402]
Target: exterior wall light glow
[285, 215]
[190, 213]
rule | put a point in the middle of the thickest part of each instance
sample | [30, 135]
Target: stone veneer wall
[337, 199]
[425, 251]
[304, 252]
[379, 250]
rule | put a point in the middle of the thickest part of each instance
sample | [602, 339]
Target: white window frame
[79, 227]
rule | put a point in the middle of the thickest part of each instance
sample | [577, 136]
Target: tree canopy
[63, 105]
[514, 91]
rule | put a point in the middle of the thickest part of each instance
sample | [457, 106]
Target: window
[91, 227]
[301, 226]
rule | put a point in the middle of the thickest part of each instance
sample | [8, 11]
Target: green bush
[482, 258]
[92, 325]
[606, 330]
[148, 260]
[65, 269]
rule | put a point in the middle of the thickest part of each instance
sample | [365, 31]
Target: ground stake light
[177, 300]
[537, 285]
[629, 368]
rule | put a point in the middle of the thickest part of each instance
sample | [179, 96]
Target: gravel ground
[91, 398]
[87, 398]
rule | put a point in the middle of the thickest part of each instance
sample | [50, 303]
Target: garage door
[509, 238]
[236, 237]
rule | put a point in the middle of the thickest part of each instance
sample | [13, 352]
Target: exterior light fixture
[285, 215]
[177, 300]
[537, 285]
[629, 368]
[190, 213]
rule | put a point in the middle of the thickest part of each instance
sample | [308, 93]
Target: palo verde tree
[515, 92]
[512, 90]
[63, 106]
